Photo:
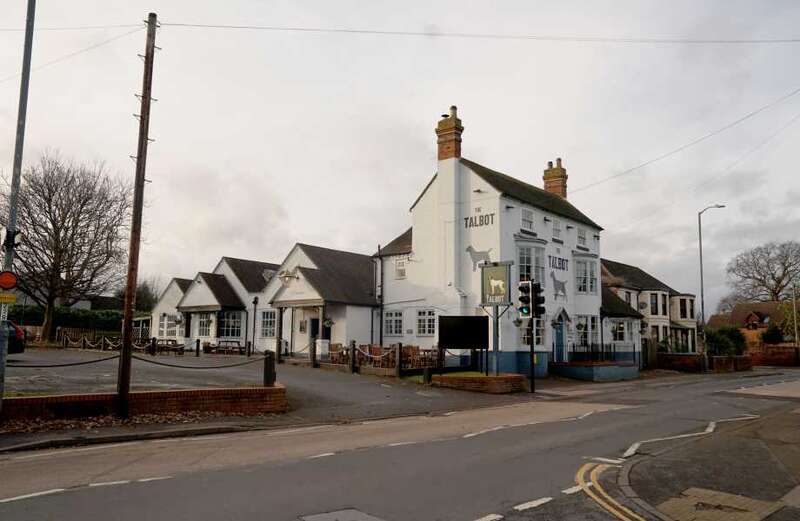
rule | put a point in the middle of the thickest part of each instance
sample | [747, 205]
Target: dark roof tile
[615, 307]
[222, 290]
[635, 278]
[251, 273]
[341, 276]
[401, 245]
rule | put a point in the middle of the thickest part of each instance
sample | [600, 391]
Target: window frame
[664, 305]
[617, 327]
[538, 333]
[531, 220]
[204, 323]
[230, 324]
[400, 269]
[585, 276]
[653, 304]
[390, 322]
[269, 323]
[582, 237]
[426, 322]
[557, 229]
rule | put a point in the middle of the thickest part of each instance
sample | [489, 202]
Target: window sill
[582, 248]
[431, 335]
[528, 232]
[557, 240]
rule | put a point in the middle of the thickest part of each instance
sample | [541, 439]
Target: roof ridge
[249, 260]
[303, 244]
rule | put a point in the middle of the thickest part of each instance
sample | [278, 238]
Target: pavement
[517, 461]
[315, 396]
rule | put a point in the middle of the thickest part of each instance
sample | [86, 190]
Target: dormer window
[527, 220]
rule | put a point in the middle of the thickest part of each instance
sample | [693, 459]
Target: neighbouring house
[668, 316]
[750, 315]
[621, 324]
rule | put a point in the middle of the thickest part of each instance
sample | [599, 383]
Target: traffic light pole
[531, 343]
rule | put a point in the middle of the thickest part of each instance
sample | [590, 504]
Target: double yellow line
[594, 490]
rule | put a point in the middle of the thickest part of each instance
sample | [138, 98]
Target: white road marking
[35, 494]
[401, 443]
[57, 452]
[575, 489]
[584, 415]
[323, 455]
[613, 461]
[533, 504]
[148, 480]
[484, 431]
[449, 413]
[708, 430]
[491, 517]
[109, 483]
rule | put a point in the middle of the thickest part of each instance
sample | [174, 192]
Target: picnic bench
[169, 345]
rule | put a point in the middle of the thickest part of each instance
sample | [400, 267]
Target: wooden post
[398, 360]
[83, 342]
[279, 336]
[269, 368]
[353, 361]
[153, 346]
[197, 347]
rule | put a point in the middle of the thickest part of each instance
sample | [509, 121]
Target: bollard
[353, 361]
[249, 351]
[398, 360]
[153, 346]
[427, 376]
[83, 342]
[269, 368]
[197, 347]
[312, 353]
[64, 340]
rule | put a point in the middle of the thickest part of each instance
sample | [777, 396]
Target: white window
[393, 323]
[586, 330]
[303, 326]
[538, 333]
[268, 322]
[400, 268]
[586, 276]
[162, 326]
[527, 220]
[231, 324]
[582, 237]
[426, 322]
[618, 331]
[556, 229]
[171, 326]
[525, 263]
[204, 324]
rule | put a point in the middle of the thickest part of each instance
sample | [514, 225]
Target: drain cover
[342, 515]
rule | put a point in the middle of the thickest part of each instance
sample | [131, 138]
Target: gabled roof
[341, 276]
[528, 193]
[615, 307]
[251, 273]
[222, 290]
[634, 278]
[183, 284]
[742, 310]
[401, 245]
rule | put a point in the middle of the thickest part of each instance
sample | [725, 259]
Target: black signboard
[463, 332]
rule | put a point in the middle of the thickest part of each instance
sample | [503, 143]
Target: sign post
[495, 292]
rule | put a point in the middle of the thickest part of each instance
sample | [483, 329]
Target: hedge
[110, 320]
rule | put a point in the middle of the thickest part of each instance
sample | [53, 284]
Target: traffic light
[537, 300]
[524, 299]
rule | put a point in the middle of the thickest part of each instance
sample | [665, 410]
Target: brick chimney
[555, 178]
[448, 132]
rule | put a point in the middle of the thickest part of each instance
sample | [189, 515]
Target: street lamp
[700, 241]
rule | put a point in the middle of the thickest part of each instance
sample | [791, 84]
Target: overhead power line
[70, 28]
[690, 143]
[492, 36]
[75, 53]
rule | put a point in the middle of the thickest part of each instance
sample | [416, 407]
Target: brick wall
[504, 383]
[240, 400]
[775, 355]
[689, 363]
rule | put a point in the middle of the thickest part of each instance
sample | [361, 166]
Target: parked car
[16, 339]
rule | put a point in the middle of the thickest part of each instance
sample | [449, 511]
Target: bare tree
[727, 302]
[147, 292]
[72, 219]
[766, 272]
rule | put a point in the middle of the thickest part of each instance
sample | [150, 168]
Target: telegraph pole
[11, 228]
[124, 376]
[794, 313]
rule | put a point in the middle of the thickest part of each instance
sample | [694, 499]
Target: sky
[267, 138]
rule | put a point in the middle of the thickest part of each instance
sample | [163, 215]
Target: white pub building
[469, 214]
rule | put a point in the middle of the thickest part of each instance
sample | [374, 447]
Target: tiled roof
[615, 307]
[183, 284]
[528, 193]
[634, 278]
[251, 273]
[401, 245]
[771, 310]
[222, 290]
[341, 276]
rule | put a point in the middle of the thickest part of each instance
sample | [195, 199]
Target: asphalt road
[460, 466]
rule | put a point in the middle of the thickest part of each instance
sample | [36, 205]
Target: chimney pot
[549, 164]
[448, 133]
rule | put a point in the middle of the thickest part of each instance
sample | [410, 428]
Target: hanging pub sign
[495, 284]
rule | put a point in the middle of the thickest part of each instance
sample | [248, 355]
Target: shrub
[725, 341]
[772, 335]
